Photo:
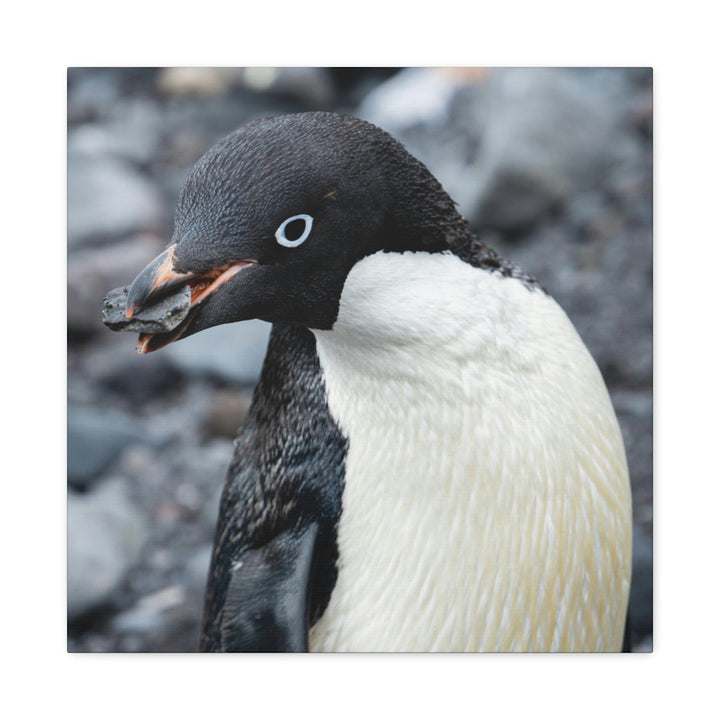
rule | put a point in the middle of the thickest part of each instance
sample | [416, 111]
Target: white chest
[487, 503]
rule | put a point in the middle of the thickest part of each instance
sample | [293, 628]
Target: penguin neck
[420, 215]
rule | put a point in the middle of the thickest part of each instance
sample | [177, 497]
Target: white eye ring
[280, 233]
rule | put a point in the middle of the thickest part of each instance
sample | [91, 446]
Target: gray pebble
[106, 533]
[159, 317]
[233, 353]
[95, 440]
[108, 199]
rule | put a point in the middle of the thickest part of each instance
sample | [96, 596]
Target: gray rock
[150, 614]
[139, 621]
[113, 364]
[92, 92]
[206, 466]
[550, 133]
[634, 411]
[440, 116]
[510, 144]
[108, 199]
[185, 475]
[640, 606]
[106, 534]
[196, 569]
[226, 412]
[312, 86]
[414, 97]
[133, 133]
[160, 316]
[94, 440]
[196, 80]
[233, 353]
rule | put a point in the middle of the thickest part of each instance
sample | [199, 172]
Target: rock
[440, 116]
[94, 643]
[353, 84]
[206, 466]
[168, 619]
[585, 211]
[415, 97]
[183, 481]
[511, 143]
[550, 133]
[233, 353]
[209, 463]
[133, 133]
[149, 615]
[177, 418]
[92, 272]
[91, 92]
[105, 537]
[139, 621]
[196, 80]
[227, 411]
[114, 365]
[162, 315]
[195, 572]
[94, 440]
[188, 497]
[312, 86]
[108, 199]
[635, 413]
[640, 606]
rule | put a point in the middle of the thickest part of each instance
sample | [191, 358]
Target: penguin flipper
[266, 607]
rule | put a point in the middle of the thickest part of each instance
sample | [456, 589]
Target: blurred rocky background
[553, 167]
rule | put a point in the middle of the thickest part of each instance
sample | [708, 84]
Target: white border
[679, 41]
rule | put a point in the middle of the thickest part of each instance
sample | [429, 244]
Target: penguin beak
[158, 277]
[163, 277]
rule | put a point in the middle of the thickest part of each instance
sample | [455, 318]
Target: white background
[41, 40]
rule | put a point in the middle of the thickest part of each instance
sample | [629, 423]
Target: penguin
[431, 461]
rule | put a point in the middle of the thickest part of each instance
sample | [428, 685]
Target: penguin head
[272, 219]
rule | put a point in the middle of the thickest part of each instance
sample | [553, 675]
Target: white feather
[487, 502]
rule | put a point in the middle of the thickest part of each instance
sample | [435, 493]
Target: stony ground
[552, 167]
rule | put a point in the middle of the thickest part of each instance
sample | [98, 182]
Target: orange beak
[160, 276]
[157, 277]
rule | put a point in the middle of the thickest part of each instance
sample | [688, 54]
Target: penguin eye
[294, 231]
